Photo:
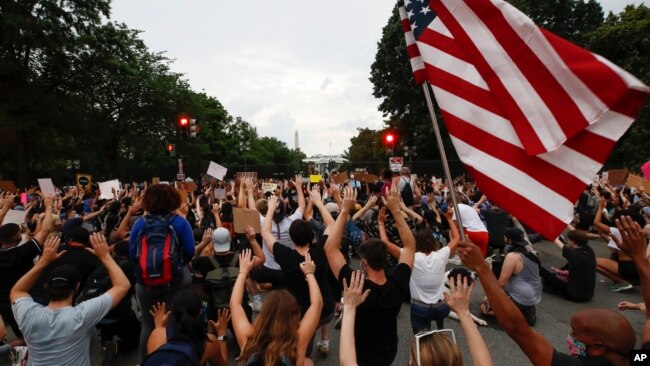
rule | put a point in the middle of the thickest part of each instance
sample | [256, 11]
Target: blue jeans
[422, 316]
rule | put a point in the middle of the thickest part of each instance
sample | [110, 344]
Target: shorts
[480, 238]
[264, 274]
[628, 271]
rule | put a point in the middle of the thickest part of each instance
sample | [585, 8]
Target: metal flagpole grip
[443, 156]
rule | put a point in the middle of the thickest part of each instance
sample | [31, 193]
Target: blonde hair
[436, 349]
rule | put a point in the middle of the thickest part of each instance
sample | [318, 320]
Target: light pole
[243, 147]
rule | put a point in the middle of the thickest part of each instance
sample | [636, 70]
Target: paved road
[553, 315]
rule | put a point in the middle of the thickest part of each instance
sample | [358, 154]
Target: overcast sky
[282, 65]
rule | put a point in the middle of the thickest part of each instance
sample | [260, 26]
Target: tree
[624, 40]
[365, 147]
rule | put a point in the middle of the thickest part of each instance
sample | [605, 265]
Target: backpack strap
[214, 262]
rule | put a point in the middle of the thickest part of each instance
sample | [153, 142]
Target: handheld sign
[220, 193]
[106, 188]
[217, 171]
[246, 216]
[269, 187]
[315, 178]
[47, 187]
[14, 217]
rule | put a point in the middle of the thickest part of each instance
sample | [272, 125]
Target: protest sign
[155, 180]
[84, 180]
[269, 187]
[246, 216]
[8, 185]
[220, 193]
[396, 163]
[217, 171]
[244, 175]
[315, 178]
[340, 178]
[47, 187]
[106, 188]
[645, 168]
[14, 217]
[617, 176]
[637, 181]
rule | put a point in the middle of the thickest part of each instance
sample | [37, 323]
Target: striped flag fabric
[532, 116]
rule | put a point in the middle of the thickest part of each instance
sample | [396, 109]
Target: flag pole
[443, 157]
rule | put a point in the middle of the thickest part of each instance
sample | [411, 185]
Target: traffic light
[184, 126]
[194, 129]
[171, 150]
[389, 140]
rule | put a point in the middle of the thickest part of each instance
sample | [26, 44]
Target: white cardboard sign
[106, 188]
[14, 217]
[269, 187]
[217, 171]
[47, 187]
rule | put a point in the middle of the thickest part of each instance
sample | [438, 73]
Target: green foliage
[365, 147]
[625, 40]
[74, 87]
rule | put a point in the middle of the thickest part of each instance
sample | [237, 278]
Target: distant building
[296, 144]
[325, 163]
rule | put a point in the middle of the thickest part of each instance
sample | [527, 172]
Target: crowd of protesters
[169, 272]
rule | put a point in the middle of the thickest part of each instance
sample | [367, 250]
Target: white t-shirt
[282, 236]
[614, 232]
[470, 218]
[428, 277]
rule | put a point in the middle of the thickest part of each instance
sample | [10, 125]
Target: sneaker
[324, 347]
[256, 306]
[109, 350]
[19, 356]
[455, 260]
[339, 319]
[621, 287]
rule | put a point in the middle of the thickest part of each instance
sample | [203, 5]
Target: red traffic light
[390, 138]
[184, 122]
[170, 147]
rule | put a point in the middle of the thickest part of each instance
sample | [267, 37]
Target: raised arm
[335, 258]
[301, 195]
[120, 283]
[410, 213]
[458, 300]
[205, 240]
[538, 350]
[598, 220]
[123, 229]
[309, 321]
[258, 253]
[454, 235]
[48, 222]
[317, 201]
[250, 194]
[26, 282]
[405, 234]
[242, 327]
[267, 236]
[353, 296]
[393, 249]
[372, 200]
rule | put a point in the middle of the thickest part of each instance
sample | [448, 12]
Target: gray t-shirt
[59, 337]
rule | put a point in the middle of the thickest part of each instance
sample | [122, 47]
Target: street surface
[553, 315]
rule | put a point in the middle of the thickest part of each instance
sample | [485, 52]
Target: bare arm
[393, 249]
[258, 254]
[598, 221]
[309, 322]
[207, 239]
[48, 222]
[369, 204]
[538, 350]
[301, 195]
[405, 234]
[335, 258]
[509, 266]
[267, 236]
[26, 282]
[121, 284]
[353, 297]
[242, 327]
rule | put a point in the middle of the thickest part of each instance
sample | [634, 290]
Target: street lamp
[410, 151]
[243, 147]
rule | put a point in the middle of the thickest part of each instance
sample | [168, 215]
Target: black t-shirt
[375, 326]
[562, 359]
[14, 263]
[289, 261]
[582, 271]
[204, 265]
[497, 222]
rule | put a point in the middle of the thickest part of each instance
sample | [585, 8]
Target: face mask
[576, 348]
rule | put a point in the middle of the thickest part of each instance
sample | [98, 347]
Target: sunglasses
[428, 333]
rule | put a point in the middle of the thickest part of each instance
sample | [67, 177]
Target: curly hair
[161, 199]
[275, 330]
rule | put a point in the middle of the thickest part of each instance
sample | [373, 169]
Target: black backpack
[220, 281]
[407, 194]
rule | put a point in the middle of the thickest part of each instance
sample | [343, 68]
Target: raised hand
[207, 235]
[392, 199]
[221, 326]
[349, 199]
[160, 315]
[51, 250]
[459, 295]
[250, 233]
[273, 203]
[308, 266]
[245, 261]
[471, 255]
[633, 241]
[100, 246]
[354, 295]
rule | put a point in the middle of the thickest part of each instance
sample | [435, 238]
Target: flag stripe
[452, 65]
[514, 180]
[571, 162]
[443, 43]
[531, 59]
[525, 210]
[524, 129]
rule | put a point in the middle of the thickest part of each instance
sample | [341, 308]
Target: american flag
[532, 116]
